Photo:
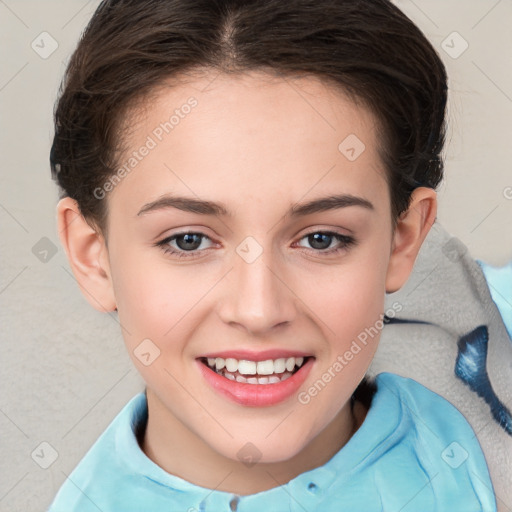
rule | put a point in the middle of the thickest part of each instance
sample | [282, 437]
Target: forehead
[250, 134]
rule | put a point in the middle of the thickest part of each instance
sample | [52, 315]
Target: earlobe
[411, 229]
[87, 255]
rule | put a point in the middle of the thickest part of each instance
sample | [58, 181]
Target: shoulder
[424, 448]
[102, 471]
[423, 411]
[421, 408]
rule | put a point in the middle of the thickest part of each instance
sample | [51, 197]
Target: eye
[188, 242]
[321, 241]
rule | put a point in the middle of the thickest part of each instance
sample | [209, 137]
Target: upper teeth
[246, 367]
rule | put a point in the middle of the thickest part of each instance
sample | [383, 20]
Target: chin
[262, 451]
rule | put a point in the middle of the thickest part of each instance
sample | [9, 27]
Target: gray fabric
[448, 292]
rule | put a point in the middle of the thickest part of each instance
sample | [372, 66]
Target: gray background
[64, 370]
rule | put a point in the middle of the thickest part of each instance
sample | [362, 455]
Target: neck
[179, 451]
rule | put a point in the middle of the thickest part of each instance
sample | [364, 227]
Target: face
[256, 226]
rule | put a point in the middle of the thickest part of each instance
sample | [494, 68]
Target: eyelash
[345, 243]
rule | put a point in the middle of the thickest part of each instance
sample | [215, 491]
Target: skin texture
[258, 145]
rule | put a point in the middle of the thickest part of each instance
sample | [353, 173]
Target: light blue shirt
[499, 281]
[414, 452]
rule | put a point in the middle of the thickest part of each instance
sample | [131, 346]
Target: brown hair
[369, 48]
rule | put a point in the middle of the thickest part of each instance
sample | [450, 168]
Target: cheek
[150, 297]
[150, 307]
[350, 297]
[161, 301]
[349, 304]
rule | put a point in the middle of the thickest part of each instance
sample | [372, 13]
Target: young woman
[243, 182]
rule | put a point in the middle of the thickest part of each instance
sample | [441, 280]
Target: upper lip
[261, 355]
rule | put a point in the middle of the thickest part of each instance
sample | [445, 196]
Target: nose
[257, 297]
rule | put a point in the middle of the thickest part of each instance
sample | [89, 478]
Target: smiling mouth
[271, 371]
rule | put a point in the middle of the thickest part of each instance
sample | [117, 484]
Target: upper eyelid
[314, 231]
[342, 238]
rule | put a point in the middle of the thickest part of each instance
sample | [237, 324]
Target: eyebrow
[203, 207]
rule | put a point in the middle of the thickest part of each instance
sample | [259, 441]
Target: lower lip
[256, 395]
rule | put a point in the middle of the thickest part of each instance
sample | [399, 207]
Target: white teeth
[265, 367]
[246, 367]
[274, 379]
[280, 365]
[231, 365]
[258, 380]
[290, 363]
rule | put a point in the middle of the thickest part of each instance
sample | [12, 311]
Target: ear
[410, 232]
[87, 254]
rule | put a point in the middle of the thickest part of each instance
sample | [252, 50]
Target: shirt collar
[302, 492]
